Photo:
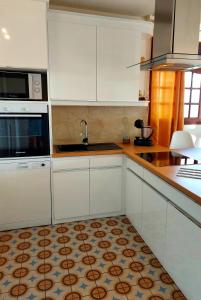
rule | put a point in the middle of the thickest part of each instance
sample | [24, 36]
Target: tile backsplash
[105, 124]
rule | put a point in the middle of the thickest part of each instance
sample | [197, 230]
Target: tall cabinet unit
[23, 35]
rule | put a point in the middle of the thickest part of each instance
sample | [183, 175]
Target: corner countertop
[190, 187]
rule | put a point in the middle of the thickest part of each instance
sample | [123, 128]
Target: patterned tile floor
[94, 259]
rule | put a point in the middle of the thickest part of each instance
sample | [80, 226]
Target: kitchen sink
[89, 147]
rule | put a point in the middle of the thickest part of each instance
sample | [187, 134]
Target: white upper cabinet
[72, 59]
[117, 48]
[23, 34]
[89, 56]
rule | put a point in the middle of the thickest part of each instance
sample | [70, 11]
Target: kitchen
[85, 213]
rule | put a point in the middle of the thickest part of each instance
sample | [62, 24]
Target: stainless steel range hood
[176, 36]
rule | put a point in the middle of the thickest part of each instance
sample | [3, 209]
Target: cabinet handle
[130, 170]
[70, 170]
[193, 220]
[105, 168]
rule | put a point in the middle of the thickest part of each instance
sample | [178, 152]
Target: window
[192, 98]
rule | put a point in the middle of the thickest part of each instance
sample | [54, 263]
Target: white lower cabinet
[85, 187]
[71, 194]
[173, 236]
[134, 199]
[154, 220]
[183, 247]
[105, 190]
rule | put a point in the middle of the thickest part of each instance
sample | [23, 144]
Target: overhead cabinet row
[88, 58]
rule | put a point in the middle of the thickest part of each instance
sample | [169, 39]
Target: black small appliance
[146, 133]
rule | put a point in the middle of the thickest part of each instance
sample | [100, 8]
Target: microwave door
[14, 86]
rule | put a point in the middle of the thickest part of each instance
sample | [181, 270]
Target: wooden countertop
[85, 153]
[129, 149]
[190, 187]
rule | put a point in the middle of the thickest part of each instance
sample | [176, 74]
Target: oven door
[23, 135]
[14, 85]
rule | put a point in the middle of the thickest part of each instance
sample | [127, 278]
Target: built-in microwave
[23, 85]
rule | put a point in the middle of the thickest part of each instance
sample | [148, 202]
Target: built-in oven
[24, 130]
[23, 85]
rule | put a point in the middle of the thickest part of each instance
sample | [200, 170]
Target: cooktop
[170, 158]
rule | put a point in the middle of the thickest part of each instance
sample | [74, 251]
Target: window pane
[186, 111]
[188, 76]
[195, 97]
[194, 111]
[187, 95]
[196, 80]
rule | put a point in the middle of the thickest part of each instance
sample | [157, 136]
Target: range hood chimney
[176, 36]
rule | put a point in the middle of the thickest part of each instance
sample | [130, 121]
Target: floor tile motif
[96, 259]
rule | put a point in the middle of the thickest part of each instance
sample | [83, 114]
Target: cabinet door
[72, 60]
[183, 253]
[25, 23]
[154, 220]
[117, 48]
[134, 199]
[71, 194]
[105, 190]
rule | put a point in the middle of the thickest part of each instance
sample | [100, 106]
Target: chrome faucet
[85, 138]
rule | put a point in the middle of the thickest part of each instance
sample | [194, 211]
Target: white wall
[195, 131]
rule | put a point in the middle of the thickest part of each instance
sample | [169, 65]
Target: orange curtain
[167, 105]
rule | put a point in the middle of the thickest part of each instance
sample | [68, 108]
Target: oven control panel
[23, 107]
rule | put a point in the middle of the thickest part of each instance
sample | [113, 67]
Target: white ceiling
[135, 8]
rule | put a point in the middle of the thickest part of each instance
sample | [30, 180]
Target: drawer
[106, 161]
[171, 193]
[134, 167]
[70, 163]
